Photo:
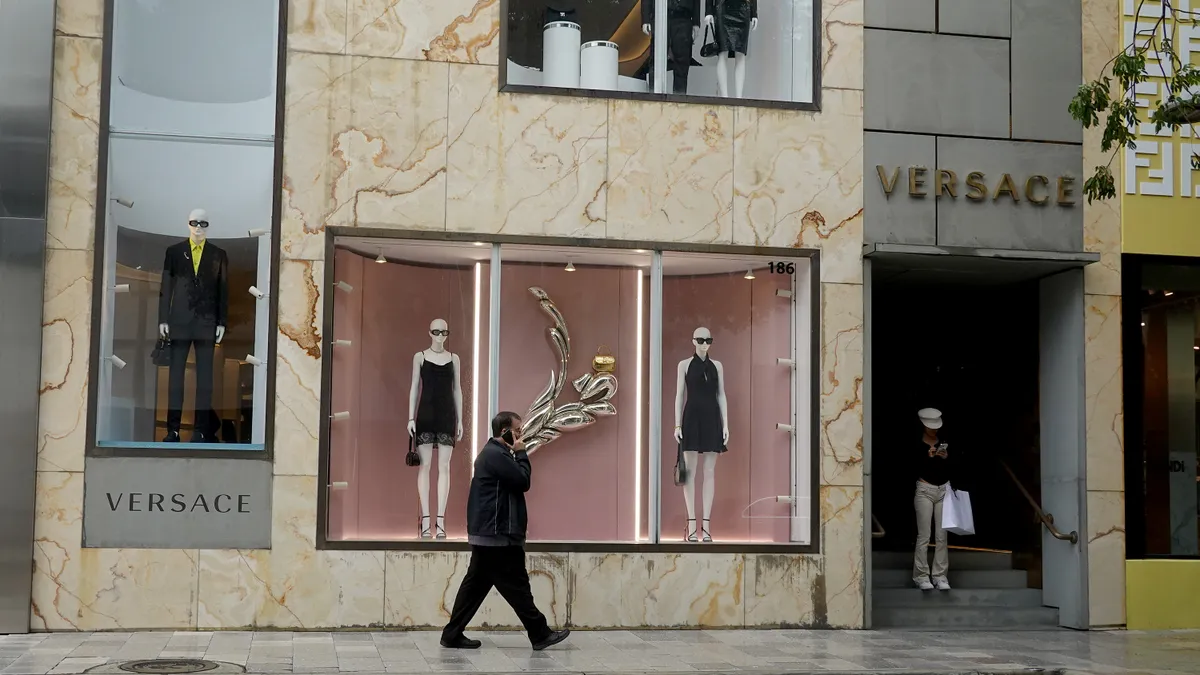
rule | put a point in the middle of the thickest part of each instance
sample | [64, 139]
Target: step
[964, 617]
[958, 578]
[963, 560]
[1016, 598]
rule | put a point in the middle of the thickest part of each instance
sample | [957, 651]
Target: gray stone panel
[1047, 68]
[897, 218]
[1001, 223]
[902, 14]
[930, 84]
[990, 18]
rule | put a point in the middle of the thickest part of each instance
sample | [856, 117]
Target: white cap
[198, 214]
[930, 417]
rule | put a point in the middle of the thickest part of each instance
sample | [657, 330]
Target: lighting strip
[655, 420]
[475, 369]
[637, 421]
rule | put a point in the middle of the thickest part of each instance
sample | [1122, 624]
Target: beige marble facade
[393, 120]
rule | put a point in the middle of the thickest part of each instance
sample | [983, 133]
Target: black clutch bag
[681, 471]
[412, 458]
[161, 354]
[710, 47]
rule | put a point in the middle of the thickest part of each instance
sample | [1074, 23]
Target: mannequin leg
[426, 453]
[689, 486]
[710, 481]
[739, 75]
[444, 455]
[723, 74]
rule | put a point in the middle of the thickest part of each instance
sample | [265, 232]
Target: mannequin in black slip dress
[435, 420]
[701, 426]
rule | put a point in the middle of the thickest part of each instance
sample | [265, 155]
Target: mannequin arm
[680, 389]
[721, 400]
[166, 290]
[753, 9]
[710, 8]
[647, 12]
[458, 413]
[223, 289]
[697, 12]
[412, 392]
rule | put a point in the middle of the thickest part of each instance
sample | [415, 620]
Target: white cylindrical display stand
[560, 54]
[598, 65]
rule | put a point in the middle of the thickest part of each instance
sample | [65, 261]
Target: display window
[665, 397]
[185, 255]
[758, 50]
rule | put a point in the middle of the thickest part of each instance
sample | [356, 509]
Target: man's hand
[518, 442]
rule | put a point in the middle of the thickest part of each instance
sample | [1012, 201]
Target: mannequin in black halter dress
[701, 427]
[435, 420]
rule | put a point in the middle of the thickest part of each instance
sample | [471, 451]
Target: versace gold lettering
[1037, 190]
[916, 180]
[1065, 187]
[976, 188]
[1006, 186]
[1029, 189]
[888, 185]
[947, 181]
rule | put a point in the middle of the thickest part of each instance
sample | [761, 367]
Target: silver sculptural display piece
[545, 420]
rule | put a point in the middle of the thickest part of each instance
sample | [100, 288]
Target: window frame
[811, 302]
[814, 106]
[99, 288]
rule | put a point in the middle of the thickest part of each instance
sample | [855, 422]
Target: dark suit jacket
[191, 303]
[674, 8]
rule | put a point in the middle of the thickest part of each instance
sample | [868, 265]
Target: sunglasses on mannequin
[440, 333]
[203, 224]
[703, 341]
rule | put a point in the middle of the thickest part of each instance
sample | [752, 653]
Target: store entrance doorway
[997, 347]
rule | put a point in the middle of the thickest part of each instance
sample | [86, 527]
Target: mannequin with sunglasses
[701, 426]
[435, 420]
[193, 306]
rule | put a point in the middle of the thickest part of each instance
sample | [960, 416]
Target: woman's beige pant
[928, 504]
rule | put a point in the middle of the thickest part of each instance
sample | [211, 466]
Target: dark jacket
[675, 8]
[194, 303]
[496, 504]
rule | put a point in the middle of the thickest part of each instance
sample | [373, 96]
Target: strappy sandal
[690, 531]
[423, 527]
[441, 528]
[705, 536]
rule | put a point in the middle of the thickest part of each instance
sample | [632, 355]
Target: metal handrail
[1046, 519]
[877, 531]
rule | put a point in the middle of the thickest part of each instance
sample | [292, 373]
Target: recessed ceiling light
[570, 267]
[749, 274]
[381, 259]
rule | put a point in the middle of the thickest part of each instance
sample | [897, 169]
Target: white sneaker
[943, 585]
[925, 585]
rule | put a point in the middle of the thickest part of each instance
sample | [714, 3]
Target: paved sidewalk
[777, 651]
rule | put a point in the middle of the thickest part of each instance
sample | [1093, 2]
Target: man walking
[496, 524]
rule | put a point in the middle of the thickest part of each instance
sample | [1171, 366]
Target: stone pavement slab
[765, 652]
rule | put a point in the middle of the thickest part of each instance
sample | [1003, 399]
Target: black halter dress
[703, 430]
[436, 417]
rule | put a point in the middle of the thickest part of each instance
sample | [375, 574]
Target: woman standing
[933, 473]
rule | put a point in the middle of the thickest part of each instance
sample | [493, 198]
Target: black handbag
[412, 458]
[681, 470]
[161, 354]
[710, 46]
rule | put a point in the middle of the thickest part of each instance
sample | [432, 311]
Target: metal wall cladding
[26, 74]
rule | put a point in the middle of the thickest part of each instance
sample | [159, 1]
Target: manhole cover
[169, 666]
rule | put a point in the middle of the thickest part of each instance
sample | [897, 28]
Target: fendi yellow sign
[977, 187]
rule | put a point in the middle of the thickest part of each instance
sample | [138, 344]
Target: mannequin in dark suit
[683, 23]
[193, 305]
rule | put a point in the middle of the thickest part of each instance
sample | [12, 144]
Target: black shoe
[461, 642]
[552, 639]
[200, 437]
[171, 437]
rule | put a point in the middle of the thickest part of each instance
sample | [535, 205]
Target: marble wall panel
[798, 181]
[315, 165]
[292, 585]
[783, 590]
[670, 172]
[666, 590]
[841, 384]
[80, 18]
[57, 537]
[461, 31]
[524, 164]
[396, 143]
[1102, 219]
[842, 543]
[74, 139]
[842, 44]
[298, 367]
[317, 26]
[1103, 385]
[1106, 558]
[66, 323]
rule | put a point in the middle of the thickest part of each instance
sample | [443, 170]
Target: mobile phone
[943, 446]
[508, 437]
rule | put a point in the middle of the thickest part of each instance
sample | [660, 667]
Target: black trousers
[504, 568]
[204, 382]
[680, 40]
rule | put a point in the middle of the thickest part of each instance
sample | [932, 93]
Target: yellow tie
[197, 251]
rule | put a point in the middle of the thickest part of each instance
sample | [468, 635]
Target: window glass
[731, 369]
[409, 344]
[588, 426]
[717, 48]
[187, 240]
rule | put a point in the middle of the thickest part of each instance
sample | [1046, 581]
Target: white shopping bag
[956, 512]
